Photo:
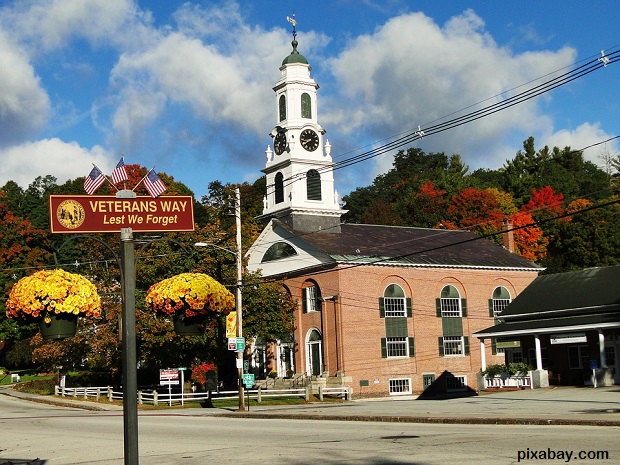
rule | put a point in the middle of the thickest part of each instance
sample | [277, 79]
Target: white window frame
[397, 347]
[451, 306]
[459, 383]
[311, 298]
[499, 305]
[399, 386]
[451, 346]
[395, 307]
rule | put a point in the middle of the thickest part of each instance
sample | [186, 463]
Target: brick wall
[351, 326]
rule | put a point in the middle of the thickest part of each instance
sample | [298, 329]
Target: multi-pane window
[397, 346]
[394, 301]
[610, 356]
[450, 302]
[453, 345]
[311, 299]
[395, 309]
[400, 386]
[578, 357]
[501, 299]
[456, 383]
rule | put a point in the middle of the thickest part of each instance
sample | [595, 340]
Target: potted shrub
[55, 299]
[191, 299]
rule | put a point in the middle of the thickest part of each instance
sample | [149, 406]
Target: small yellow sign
[231, 325]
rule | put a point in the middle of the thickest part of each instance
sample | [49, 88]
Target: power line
[421, 132]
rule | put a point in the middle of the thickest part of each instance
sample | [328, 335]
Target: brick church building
[384, 310]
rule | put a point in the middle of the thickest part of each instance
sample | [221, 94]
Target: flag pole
[147, 173]
[124, 181]
[106, 178]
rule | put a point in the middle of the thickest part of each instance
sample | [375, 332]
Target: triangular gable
[306, 257]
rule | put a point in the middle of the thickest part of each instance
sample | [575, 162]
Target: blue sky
[187, 86]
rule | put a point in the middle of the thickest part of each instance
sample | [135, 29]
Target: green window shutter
[491, 308]
[440, 346]
[463, 307]
[411, 348]
[381, 307]
[383, 347]
[466, 342]
[304, 300]
[313, 185]
[494, 346]
[396, 327]
[438, 307]
[452, 326]
[409, 310]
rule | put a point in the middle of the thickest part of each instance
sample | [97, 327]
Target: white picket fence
[518, 381]
[153, 397]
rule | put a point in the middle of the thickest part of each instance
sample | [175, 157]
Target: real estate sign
[107, 213]
[168, 377]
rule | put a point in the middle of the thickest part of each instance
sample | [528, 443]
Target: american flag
[93, 181]
[119, 174]
[153, 184]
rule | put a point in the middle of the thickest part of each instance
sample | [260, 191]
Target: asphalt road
[68, 435]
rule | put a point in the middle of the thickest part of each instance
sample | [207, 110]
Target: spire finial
[293, 21]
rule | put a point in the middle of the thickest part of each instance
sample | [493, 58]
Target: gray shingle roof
[585, 298]
[413, 246]
[583, 291]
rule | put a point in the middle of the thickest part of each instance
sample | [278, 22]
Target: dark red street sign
[107, 213]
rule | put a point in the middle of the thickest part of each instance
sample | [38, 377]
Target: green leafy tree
[588, 238]
[268, 309]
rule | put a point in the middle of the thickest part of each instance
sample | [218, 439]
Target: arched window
[313, 185]
[394, 302]
[311, 298]
[282, 107]
[277, 251]
[450, 302]
[306, 106]
[501, 299]
[279, 188]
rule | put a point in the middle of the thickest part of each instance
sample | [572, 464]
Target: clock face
[279, 143]
[309, 140]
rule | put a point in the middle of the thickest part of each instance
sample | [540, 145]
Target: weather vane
[293, 21]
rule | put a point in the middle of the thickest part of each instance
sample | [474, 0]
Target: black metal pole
[130, 382]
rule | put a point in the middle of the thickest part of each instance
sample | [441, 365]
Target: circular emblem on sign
[70, 214]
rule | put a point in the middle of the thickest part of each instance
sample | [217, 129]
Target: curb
[51, 400]
[435, 420]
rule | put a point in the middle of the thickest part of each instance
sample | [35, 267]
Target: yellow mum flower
[53, 291]
[192, 293]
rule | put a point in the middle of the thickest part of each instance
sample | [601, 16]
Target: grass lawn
[24, 375]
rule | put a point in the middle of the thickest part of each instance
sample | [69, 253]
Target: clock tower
[299, 172]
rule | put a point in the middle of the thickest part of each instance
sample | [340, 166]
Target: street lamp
[238, 259]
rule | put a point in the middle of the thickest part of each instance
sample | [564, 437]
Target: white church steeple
[299, 173]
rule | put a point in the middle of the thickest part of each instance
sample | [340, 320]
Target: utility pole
[238, 302]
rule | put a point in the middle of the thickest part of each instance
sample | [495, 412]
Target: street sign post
[124, 212]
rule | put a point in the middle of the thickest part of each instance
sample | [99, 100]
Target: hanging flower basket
[55, 298]
[189, 326]
[192, 299]
[59, 326]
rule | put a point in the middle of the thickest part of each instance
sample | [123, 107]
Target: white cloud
[413, 72]
[63, 160]
[583, 136]
[24, 105]
[51, 24]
